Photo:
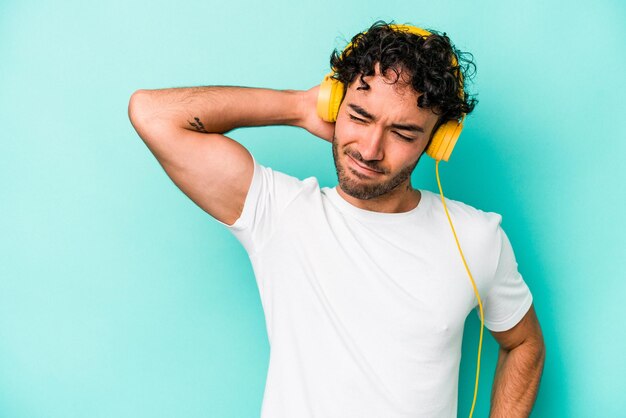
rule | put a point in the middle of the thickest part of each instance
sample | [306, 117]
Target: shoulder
[479, 231]
[463, 213]
[281, 185]
[285, 178]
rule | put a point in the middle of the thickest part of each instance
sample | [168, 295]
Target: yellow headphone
[331, 93]
[328, 101]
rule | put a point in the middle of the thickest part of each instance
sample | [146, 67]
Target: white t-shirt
[365, 310]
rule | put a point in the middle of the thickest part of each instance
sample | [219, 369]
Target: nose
[371, 147]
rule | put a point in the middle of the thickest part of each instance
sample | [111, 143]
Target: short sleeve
[508, 298]
[269, 194]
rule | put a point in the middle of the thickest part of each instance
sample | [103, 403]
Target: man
[363, 289]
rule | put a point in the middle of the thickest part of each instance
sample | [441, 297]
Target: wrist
[301, 107]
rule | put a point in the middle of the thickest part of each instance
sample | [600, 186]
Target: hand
[310, 120]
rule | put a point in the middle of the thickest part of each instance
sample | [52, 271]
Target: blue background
[121, 298]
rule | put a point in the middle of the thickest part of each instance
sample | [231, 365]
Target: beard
[359, 186]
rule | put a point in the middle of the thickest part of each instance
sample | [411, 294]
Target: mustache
[358, 158]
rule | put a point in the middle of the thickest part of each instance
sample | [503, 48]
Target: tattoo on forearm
[198, 125]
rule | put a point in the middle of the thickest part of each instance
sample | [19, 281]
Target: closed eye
[406, 138]
[364, 121]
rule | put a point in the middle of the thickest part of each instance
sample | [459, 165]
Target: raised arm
[183, 128]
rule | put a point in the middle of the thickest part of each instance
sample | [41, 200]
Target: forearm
[218, 109]
[516, 381]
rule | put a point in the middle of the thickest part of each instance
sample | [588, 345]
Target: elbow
[137, 106]
[542, 354]
[141, 113]
[536, 350]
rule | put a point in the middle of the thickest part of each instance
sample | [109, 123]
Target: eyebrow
[404, 126]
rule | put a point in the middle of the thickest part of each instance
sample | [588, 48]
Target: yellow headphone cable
[441, 145]
[480, 305]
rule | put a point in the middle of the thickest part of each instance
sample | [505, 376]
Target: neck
[402, 199]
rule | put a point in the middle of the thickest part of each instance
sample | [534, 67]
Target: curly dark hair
[429, 61]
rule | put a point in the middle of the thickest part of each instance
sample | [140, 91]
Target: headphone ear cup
[444, 139]
[329, 98]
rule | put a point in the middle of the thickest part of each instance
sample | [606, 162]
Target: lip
[362, 169]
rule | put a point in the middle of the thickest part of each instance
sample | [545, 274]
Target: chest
[401, 282]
